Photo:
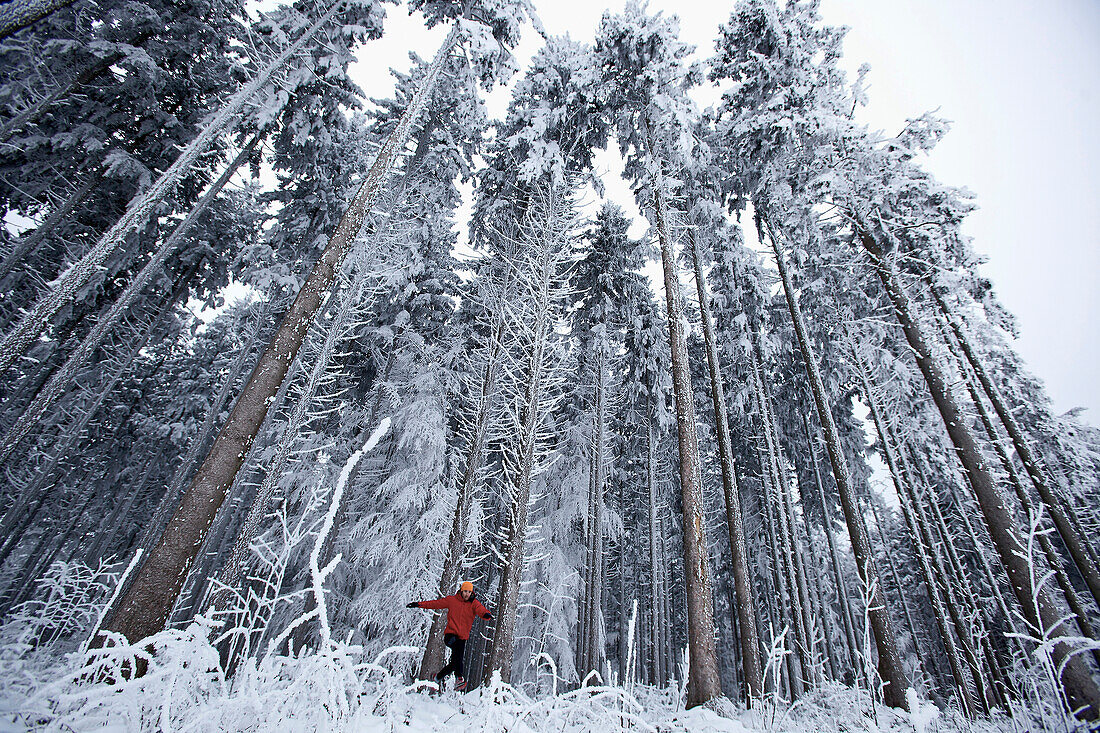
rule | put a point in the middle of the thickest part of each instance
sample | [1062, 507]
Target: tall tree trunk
[146, 605]
[583, 614]
[1054, 560]
[475, 451]
[232, 572]
[141, 207]
[26, 245]
[890, 667]
[783, 575]
[922, 542]
[844, 604]
[168, 502]
[63, 378]
[1039, 609]
[810, 664]
[749, 637]
[511, 565]
[15, 15]
[703, 682]
[1079, 549]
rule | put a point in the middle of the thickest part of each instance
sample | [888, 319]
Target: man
[461, 609]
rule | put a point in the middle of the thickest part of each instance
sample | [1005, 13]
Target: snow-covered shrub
[67, 601]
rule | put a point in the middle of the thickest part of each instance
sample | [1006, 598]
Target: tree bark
[1000, 684]
[749, 637]
[146, 605]
[15, 15]
[890, 667]
[1078, 547]
[703, 682]
[1042, 614]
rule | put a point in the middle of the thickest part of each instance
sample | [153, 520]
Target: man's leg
[450, 640]
[458, 651]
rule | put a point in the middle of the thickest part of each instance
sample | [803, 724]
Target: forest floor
[184, 690]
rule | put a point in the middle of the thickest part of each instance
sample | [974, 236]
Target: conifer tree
[645, 83]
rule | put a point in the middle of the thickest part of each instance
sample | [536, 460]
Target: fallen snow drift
[185, 689]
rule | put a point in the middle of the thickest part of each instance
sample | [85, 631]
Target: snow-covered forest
[278, 360]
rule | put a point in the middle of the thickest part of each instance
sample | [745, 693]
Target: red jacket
[460, 613]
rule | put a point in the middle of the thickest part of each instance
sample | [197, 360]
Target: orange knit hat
[467, 585]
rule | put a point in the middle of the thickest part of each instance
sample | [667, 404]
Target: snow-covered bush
[67, 601]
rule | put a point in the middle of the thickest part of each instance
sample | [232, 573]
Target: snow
[339, 689]
[184, 690]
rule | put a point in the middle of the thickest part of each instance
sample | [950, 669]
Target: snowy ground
[184, 690]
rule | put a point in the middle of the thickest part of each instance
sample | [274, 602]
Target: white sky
[1019, 79]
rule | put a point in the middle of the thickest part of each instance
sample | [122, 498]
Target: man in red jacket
[461, 609]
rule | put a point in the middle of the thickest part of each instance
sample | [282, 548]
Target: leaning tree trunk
[1079, 549]
[748, 635]
[25, 246]
[1039, 610]
[922, 543]
[890, 668]
[843, 602]
[475, 451]
[144, 608]
[1054, 560]
[63, 378]
[15, 15]
[232, 572]
[141, 207]
[703, 682]
[170, 498]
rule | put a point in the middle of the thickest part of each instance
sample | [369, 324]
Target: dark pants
[458, 650]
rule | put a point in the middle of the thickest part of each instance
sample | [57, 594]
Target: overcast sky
[1020, 81]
